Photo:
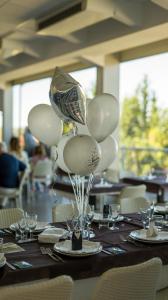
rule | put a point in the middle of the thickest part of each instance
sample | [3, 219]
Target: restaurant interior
[83, 176]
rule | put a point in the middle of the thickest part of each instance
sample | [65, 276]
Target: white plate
[140, 235]
[98, 217]
[40, 226]
[88, 248]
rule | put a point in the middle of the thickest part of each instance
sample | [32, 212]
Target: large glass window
[27, 95]
[144, 115]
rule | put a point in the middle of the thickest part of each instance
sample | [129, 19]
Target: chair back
[64, 212]
[129, 283]
[43, 168]
[111, 175]
[132, 205]
[9, 216]
[59, 288]
[133, 191]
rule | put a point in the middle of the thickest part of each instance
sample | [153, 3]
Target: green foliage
[143, 126]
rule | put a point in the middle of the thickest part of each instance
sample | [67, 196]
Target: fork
[49, 252]
[54, 254]
[44, 251]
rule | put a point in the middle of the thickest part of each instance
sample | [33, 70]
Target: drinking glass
[88, 219]
[114, 210]
[72, 225]
[144, 218]
[150, 212]
[22, 224]
[31, 223]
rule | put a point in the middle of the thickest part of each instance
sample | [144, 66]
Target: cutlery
[49, 252]
[7, 231]
[123, 239]
[44, 251]
[54, 254]
[10, 266]
[105, 251]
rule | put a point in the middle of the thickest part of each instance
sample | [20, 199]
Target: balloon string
[78, 185]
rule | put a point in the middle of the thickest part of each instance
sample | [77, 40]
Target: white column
[110, 84]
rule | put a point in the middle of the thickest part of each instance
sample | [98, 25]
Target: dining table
[82, 268]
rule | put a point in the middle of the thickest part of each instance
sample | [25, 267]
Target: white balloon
[102, 116]
[109, 149]
[45, 125]
[60, 149]
[82, 154]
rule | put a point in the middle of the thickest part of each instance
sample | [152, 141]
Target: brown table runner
[85, 267]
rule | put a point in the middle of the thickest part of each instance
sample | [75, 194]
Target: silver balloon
[67, 97]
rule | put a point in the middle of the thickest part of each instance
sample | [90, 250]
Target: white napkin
[51, 235]
[152, 231]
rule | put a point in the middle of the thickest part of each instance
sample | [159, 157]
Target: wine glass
[22, 224]
[144, 217]
[31, 223]
[150, 212]
[89, 218]
[114, 210]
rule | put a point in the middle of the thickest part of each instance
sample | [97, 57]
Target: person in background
[16, 150]
[30, 142]
[39, 154]
[10, 167]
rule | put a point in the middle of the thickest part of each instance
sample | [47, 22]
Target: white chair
[64, 212]
[9, 216]
[14, 193]
[132, 205]
[42, 172]
[111, 175]
[133, 191]
[136, 282]
[59, 288]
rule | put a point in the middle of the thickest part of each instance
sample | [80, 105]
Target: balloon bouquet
[90, 148]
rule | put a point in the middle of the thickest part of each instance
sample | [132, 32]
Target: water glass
[114, 210]
[1, 245]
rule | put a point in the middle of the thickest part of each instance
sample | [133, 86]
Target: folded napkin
[51, 235]
[152, 231]
[11, 248]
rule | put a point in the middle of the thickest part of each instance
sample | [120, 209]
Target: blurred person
[16, 150]
[39, 154]
[30, 142]
[10, 168]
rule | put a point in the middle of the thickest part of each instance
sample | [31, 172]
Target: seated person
[10, 167]
[16, 150]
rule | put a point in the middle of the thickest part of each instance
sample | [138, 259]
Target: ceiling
[37, 35]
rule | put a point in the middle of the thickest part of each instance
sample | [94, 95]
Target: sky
[155, 67]
[131, 74]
